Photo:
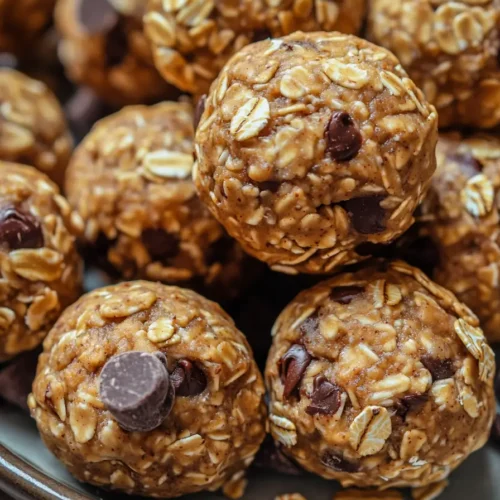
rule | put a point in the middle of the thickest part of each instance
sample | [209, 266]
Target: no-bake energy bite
[103, 47]
[461, 214]
[130, 180]
[40, 267]
[33, 130]
[450, 49]
[380, 378]
[311, 145]
[150, 390]
[193, 39]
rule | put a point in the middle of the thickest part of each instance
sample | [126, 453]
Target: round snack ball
[150, 390]
[461, 214]
[21, 22]
[450, 49]
[41, 269]
[311, 145]
[33, 129]
[130, 180]
[192, 41]
[380, 378]
[103, 47]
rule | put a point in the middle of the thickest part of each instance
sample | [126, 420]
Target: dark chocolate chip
[409, 403]
[292, 367]
[345, 294]
[19, 229]
[367, 216]
[495, 430]
[310, 325]
[343, 138]
[325, 398]
[439, 368]
[136, 388]
[467, 163]
[200, 108]
[116, 48]
[336, 462]
[160, 244]
[97, 16]
[188, 379]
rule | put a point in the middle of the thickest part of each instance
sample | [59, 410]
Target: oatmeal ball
[39, 264]
[380, 378]
[192, 40]
[33, 129]
[451, 51]
[130, 180]
[103, 47]
[311, 145]
[461, 214]
[150, 390]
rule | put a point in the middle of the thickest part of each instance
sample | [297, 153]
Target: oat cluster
[462, 215]
[209, 437]
[33, 130]
[450, 49]
[380, 378]
[311, 145]
[41, 271]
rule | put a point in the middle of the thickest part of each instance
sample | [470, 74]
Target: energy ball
[461, 214]
[130, 180]
[380, 378]
[103, 47]
[192, 41]
[41, 269]
[312, 145]
[450, 49]
[150, 390]
[33, 129]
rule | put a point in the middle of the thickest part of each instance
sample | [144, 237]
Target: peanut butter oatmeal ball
[130, 180]
[380, 378]
[103, 47]
[461, 215]
[193, 39]
[450, 49]
[150, 390]
[311, 145]
[39, 264]
[33, 129]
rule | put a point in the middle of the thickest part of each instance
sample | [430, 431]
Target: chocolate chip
[467, 163]
[188, 379]
[200, 108]
[439, 368]
[367, 216]
[325, 398]
[160, 244]
[116, 48]
[495, 430]
[19, 229]
[272, 186]
[345, 294]
[409, 403]
[136, 388]
[343, 137]
[292, 367]
[336, 462]
[310, 325]
[97, 16]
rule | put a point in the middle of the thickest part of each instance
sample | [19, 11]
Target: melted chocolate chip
[409, 403]
[343, 138]
[467, 163]
[337, 462]
[367, 216]
[292, 367]
[495, 431]
[19, 229]
[345, 294]
[310, 325]
[188, 379]
[116, 48]
[136, 389]
[439, 368]
[97, 16]
[325, 398]
[200, 108]
[160, 244]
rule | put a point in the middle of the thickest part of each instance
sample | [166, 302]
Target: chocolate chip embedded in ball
[97, 16]
[367, 216]
[136, 388]
[188, 379]
[293, 365]
[343, 138]
[19, 229]
[325, 397]
[440, 368]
